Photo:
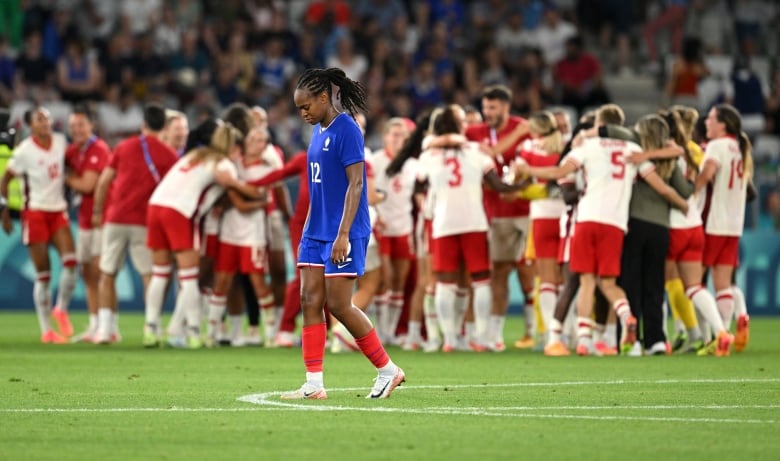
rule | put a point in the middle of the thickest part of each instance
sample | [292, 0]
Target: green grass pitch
[122, 402]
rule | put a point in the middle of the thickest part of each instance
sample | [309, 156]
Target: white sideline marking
[268, 402]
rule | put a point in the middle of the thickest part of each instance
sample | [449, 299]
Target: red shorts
[451, 250]
[721, 250]
[686, 245]
[246, 260]
[211, 247]
[40, 226]
[396, 247]
[596, 248]
[546, 235]
[167, 229]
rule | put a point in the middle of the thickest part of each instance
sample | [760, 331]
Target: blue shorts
[316, 253]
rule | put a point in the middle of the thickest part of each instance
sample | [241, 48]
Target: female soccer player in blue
[333, 249]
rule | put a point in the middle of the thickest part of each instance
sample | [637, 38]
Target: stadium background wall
[758, 276]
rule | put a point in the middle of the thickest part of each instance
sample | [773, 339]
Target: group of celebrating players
[599, 221]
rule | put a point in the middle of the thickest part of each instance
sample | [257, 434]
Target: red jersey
[495, 206]
[296, 166]
[94, 155]
[136, 178]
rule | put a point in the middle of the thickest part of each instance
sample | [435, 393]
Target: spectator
[385, 12]
[345, 58]
[35, 73]
[7, 72]
[117, 61]
[78, 74]
[552, 34]
[57, 31]
[579, 76]
[688, 69]
[149, 69]
[746, 93]
[513, 40]
[423, 88]
[274, 68]
[119, 115]
[710, 21]
[167, 34]
[188, 13]
[492, 68]
[141, 14]
[672, 17]
[749, 18]
[773, 105]
[98, 21]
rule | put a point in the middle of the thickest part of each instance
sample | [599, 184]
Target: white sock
[382, 301]
[547, 298]
[725, 301]
[705, 304]
[42, 299]
[740, 307]
[610, 335]
[115, 323]
[461, 306]
[395, 308]
[67, 282]
[189, 299]
[445, 300]
[217, 304]
[483, 303]
[431, 319]
[278, 314]
[529, 316]
[415, 332]
[315, 379]
[554, 331]
[104, 322]
[93, 322]
[388, 370]
[584, 331]
[236, 326]
[469, 332]
[268, 317]
[495, 328]
[155, 295]
[622, 309]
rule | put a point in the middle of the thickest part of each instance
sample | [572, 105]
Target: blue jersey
[331, 151]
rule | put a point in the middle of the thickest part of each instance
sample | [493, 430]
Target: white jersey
[729, 188]
[42, 172]
[533, 155]
[609, 179]
[680, 220]
[189, 188]
[396, 209]
[455, 176]
[247, 229]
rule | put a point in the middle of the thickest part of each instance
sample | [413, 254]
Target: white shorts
[88, 244]
[507, 238]
[373, 260]
[118, 238]
[277, 239]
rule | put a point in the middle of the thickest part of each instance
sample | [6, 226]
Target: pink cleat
[601, 348]
[63, 321]
[384, 385]
[52, 337]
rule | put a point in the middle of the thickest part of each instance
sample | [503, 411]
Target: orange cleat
[556, 349]
[601, 348]
[629, 335]
[526, 342]
[724, 340]
[743, 333]
[52, 337]
[63, 321]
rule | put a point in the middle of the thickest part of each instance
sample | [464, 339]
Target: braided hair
[352, 94]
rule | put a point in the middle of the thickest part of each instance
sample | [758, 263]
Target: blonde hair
[688, 118]
[223, 140]
[546, 127]
[653, 134]
[610, 114]
[171, 115]
[393, 122]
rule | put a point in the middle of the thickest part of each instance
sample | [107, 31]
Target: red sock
[372, 348]
[313, 345]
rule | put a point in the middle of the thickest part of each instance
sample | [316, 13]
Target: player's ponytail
[412, 146]
[729, 116]
[224, 138]
[351, 94]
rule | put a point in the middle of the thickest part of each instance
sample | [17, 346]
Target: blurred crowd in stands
[198, 56]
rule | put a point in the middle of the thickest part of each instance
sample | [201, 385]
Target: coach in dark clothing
[647, 240]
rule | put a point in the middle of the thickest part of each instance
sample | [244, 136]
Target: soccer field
[84, 402]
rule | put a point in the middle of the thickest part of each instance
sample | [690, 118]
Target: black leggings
[642, 276]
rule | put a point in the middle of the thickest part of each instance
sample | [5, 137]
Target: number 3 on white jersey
[314, 167]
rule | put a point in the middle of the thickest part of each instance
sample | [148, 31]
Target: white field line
[268, 402]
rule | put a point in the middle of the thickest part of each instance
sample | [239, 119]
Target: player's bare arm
[666, 191]
[244, 205]
[705, 175]
[547, 172]
[83, 184]
[101, 191]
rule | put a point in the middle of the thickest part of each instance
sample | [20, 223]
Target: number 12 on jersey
[314, 168]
